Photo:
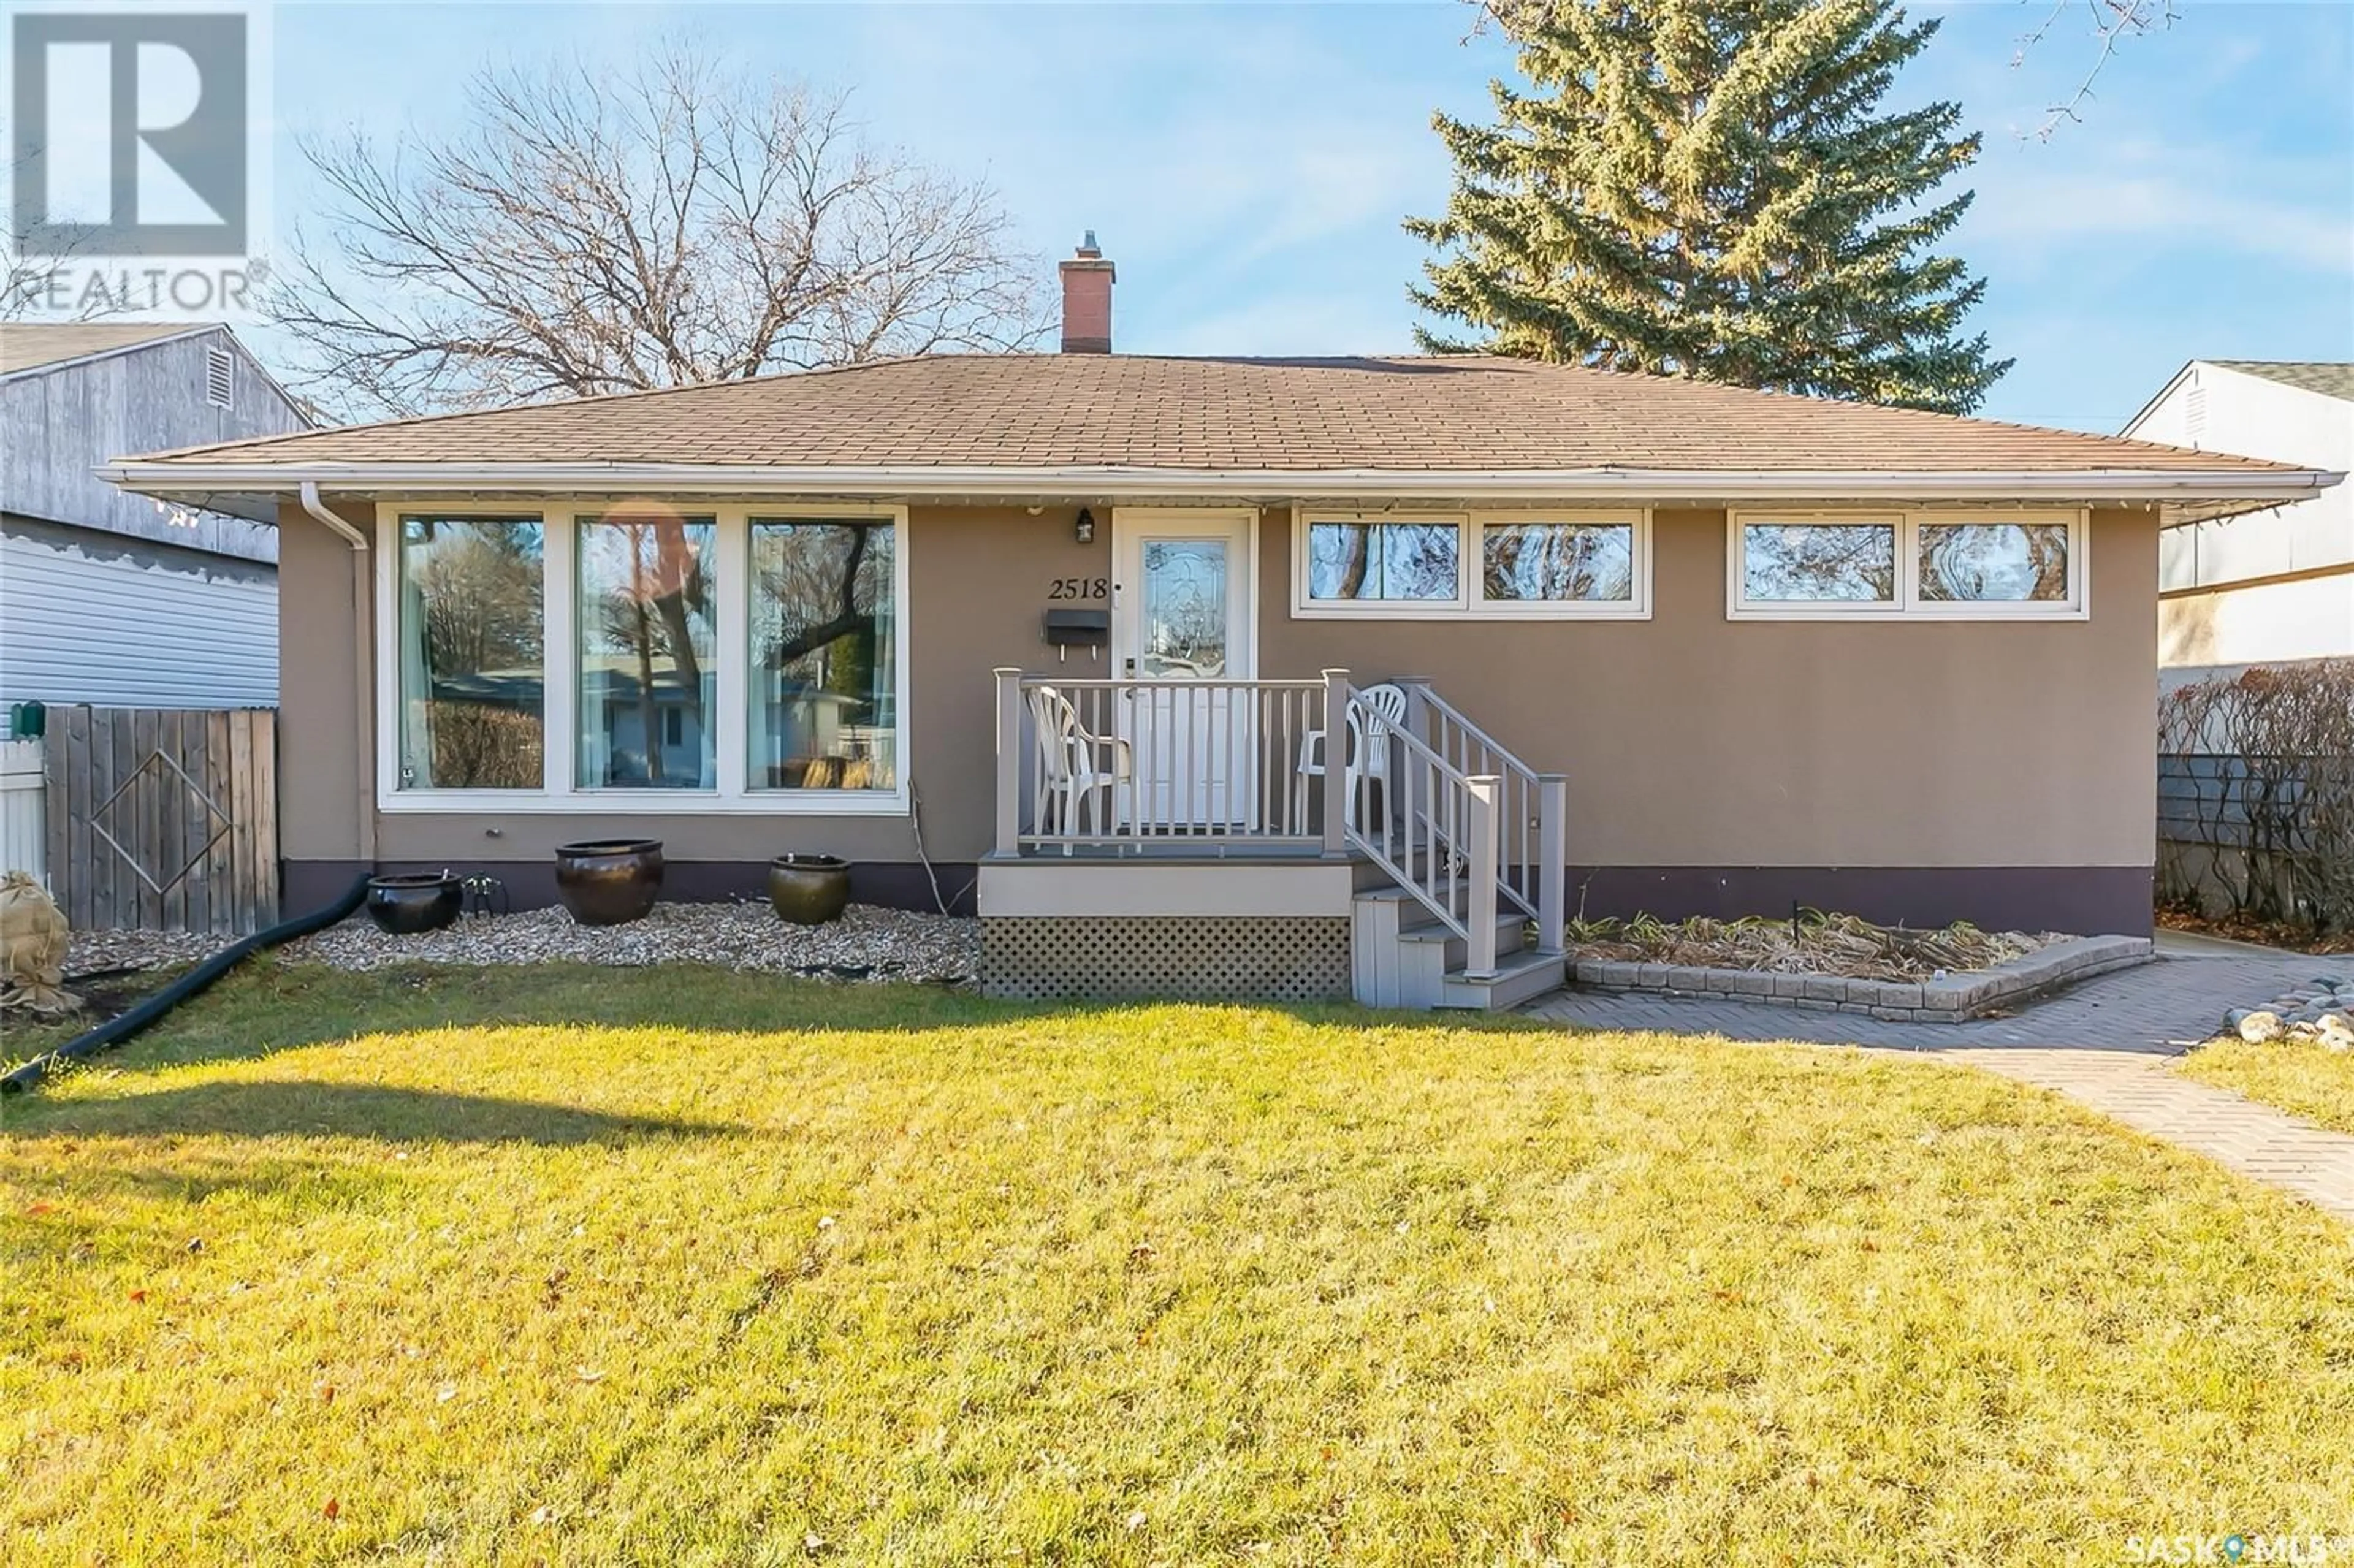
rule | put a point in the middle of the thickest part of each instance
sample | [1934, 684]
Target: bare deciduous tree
[581, 234]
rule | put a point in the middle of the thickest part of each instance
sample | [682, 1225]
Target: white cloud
[2038, 211]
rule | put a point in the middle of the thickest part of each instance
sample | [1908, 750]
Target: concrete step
[1518, 978]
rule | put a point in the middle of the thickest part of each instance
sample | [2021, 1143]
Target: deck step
[1518, 977]
[1510, 937]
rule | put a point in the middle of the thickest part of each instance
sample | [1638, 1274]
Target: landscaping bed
[1839, 963]
[585, 1266]
[866, 943]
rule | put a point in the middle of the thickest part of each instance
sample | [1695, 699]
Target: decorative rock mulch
[866, 943]
[103, 952]
[2322, 1009]
[1941, 998]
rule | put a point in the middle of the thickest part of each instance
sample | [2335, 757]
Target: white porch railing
[1141, 765]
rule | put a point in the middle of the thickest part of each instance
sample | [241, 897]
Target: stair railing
[1438, 839]
[1532, 808]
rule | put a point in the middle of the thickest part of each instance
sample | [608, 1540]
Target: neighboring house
[112, 598]
[1664, 646]
[2272, 585]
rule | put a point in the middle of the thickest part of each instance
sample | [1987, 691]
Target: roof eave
[2227, 488]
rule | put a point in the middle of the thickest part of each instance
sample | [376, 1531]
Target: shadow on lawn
[311, 1110]
[271, 1005]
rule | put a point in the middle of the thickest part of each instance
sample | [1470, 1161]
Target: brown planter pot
[608, 882]
[413, 902]
[808, 889]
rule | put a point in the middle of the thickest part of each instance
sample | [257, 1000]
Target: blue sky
[1247, 165]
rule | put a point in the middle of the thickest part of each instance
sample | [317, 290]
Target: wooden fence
[164, 820]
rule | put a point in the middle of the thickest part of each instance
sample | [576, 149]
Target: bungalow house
[1239, 677]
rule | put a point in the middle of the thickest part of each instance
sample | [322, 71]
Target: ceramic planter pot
[414, 903]
[808, 889]
[608, 882]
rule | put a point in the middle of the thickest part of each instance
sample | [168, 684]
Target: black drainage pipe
[115, 1030]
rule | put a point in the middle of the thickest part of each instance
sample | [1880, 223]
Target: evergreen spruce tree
[1709, 188]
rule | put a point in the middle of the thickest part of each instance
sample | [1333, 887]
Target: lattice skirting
[1215, 957]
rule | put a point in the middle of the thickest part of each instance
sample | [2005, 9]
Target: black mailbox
[1078, 628]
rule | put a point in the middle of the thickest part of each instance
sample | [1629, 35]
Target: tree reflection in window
[470, 640]
[1557, 561]
[1383, 560]
[1994, 562]
[646, 645]
[824, 655]
[1798, 562]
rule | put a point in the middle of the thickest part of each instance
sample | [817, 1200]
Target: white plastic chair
[1078, 769]
[1368, 761]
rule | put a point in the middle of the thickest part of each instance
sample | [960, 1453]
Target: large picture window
[1926, 564]
[746, 658]
[649, 678]
[824, 656]
[1476, 565]
[471, 671]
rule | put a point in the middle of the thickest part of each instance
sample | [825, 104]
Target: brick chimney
[1087, 300]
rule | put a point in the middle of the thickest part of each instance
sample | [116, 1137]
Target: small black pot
[808, 889]
[608, 882]
[413, 902]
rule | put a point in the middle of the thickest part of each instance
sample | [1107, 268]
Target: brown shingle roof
[28, 345]
[1466, 414]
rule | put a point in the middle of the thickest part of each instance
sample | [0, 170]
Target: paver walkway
[2105, 1044]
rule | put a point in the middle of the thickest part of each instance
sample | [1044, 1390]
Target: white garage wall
[98, 619]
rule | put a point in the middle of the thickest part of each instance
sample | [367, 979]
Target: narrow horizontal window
[1557, 563]
[1926, 564]
[470, 635]
[1994, 563]
[824, 657]
[1818, 563]
[1384, 562]
[643, 626]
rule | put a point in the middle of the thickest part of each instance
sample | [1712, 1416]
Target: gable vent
[2194, 415]
[220, 376]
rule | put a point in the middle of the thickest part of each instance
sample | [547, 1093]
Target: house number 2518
[1079, 588]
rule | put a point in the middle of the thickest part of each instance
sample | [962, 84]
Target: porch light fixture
[1085, 529]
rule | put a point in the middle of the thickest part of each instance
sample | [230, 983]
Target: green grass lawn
[2295, 1076]
[674, 1265]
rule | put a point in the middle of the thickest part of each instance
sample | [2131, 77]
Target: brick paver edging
[1948, 1001]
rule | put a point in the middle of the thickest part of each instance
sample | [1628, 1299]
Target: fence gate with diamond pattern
[164, 820]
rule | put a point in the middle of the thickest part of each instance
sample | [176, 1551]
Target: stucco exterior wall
[1692, 742]
[977, 582]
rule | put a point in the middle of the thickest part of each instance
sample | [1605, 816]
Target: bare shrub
[2271, 826]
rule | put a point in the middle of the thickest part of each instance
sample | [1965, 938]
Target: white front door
[1181, 615]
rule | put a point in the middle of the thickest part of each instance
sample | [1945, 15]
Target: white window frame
[1637, 608]
[558, 517]
[1908, 604]
[1470, 601]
